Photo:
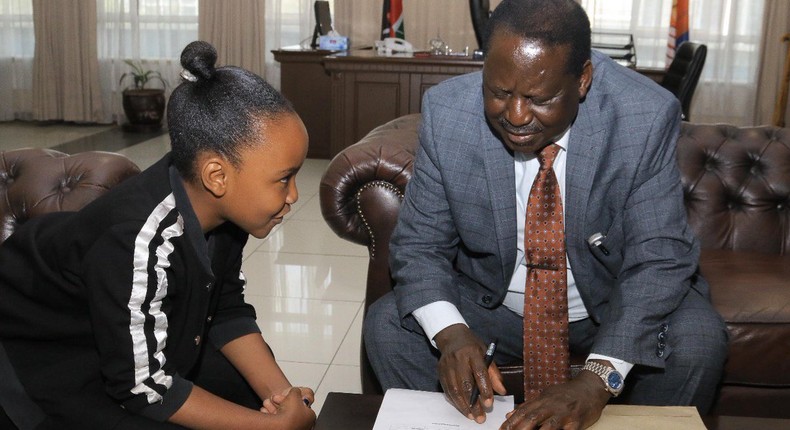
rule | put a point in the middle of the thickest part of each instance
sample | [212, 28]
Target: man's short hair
[554, 22]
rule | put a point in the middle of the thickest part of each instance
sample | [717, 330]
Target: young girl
[130, 313]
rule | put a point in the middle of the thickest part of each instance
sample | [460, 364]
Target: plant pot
[144, 108]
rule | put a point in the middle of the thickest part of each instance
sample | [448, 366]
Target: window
[730, 28]
[146, 29]
[732, 31]
[17, 39]
[17, 45]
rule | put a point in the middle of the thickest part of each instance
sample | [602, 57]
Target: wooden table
[344, 411]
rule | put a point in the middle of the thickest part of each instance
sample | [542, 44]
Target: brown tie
[546, 292]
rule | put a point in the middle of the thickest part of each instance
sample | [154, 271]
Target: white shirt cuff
[621, 366]
[437, 316]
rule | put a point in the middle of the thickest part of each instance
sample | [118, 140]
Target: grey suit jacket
[457, 224]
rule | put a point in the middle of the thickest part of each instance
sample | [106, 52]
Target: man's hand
[574, 405]
[462, 366]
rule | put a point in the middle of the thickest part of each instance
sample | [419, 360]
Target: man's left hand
[576, 404]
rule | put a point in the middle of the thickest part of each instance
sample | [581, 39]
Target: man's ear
[586, 79]
[213, 173]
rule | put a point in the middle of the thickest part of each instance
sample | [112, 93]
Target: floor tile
[348, 353]
[114, 139]
[307, 331]
[149, 152]
[310, 174]
[310, 237]
[303, 374]
[306, 276]
[35, 134]
[309, 211]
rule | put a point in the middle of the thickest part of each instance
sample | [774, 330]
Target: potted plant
[144, 107]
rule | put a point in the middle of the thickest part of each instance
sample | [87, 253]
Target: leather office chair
[684, 72]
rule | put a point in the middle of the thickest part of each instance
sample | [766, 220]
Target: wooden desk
[370, 90]
[305, 82]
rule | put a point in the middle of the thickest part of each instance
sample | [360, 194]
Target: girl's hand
[271, 404]
[292, 410]
[308, 396]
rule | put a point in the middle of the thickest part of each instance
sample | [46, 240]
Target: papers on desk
[422, 410]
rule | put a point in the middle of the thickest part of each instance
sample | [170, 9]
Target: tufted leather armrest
[38, 181]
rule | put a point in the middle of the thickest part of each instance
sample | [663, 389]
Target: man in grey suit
[636, 305]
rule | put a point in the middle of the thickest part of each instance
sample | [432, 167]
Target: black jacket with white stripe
[124, 291]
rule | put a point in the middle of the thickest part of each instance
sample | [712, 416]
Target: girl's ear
[214, 175]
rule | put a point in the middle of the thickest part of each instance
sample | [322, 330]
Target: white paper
[422, 410]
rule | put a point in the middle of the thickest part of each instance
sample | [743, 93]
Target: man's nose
[518, 112]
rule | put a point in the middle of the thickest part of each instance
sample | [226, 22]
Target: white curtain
[235, 28]
[151, 31]
[731, 29]
[17, 45]
[289, 23]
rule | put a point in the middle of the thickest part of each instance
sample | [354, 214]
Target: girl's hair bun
[199, 58]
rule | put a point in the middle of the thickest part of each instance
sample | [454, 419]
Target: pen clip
[596, 240]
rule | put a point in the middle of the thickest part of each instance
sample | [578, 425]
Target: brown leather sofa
[36, 181]
[737, 193]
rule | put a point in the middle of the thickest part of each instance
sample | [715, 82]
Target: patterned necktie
[546, 361]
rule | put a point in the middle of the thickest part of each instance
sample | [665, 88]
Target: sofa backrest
[36, 181]
[736, 183]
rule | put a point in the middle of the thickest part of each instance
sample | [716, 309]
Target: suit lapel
[501, 179]
[584, 152]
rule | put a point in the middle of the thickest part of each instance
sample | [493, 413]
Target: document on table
[422, 410]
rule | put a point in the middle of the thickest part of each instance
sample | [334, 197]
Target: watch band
[612, 379]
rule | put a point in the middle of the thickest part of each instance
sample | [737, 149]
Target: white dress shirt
[437, 316]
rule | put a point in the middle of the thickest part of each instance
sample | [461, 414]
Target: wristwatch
[612, 379]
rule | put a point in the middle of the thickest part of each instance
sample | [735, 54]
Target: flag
[392, 19]
[678, 27]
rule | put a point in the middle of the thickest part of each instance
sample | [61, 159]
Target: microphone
[596, 240]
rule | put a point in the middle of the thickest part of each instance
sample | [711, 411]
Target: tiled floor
[306, 284]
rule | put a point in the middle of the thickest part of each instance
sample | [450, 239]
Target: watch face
[615, 380]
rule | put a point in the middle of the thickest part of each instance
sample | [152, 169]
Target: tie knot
[547, 155]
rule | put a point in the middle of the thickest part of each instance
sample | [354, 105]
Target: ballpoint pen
[489, 357]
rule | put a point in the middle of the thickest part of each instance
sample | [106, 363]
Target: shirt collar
[562, 142]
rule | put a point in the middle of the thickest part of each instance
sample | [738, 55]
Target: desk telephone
[393, 45]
